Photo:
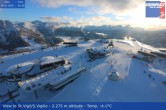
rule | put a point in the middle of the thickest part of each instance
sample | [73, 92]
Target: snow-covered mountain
[153, 38]
[12, 34]
[9, 35]
[45, 33]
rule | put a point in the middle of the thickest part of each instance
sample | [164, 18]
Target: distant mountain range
[11, 34]
[46, 33]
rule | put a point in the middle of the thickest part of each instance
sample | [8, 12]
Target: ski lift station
[70, 44]
[33, 68]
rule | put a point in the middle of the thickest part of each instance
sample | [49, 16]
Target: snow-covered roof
[49, 59]
[42, 79]
[46, 58]
[50, 77]
[101, 34]
[20, 68]
[75, 71]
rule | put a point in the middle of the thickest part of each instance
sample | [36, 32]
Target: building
[159, 54]
[15, 72]
[31, 69]
[51, 62]
[47, 63]
[97, 53]
[145, 56]
[69, 44]
[110, 44]
[52, 79]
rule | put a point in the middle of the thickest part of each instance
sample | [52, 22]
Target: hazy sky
[85, 12]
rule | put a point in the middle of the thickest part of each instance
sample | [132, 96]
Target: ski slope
[141, 81]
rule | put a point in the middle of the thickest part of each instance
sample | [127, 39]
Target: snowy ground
[141, 82]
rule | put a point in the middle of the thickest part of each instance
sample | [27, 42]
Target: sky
[85, 12]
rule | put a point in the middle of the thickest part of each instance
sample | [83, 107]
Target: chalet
[69, 44]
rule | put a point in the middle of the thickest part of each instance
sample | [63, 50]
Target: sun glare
[138, 19]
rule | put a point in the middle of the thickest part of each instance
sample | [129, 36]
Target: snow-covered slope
[32, 43]
[12, 35]
[141, 81]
